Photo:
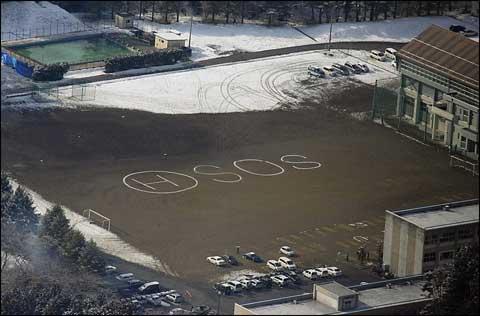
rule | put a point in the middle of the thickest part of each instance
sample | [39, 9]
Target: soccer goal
[83, 92]
[464, 164]
[97, 218]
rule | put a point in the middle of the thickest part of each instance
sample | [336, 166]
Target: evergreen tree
[55, 225]
[7, 195]
[90, 258]
[454, 288]
[23, 212]
[73, 244]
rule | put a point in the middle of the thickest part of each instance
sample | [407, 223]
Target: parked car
[316, 72]
[287, 251]
[469, 33]
[201, 310]
[253, 257]
[287, 263]
[364, 67]
[179, 311]
[246, 284]
[341, 69]
[378, 55]
[150, 287]
[257, 284]
[217, 260]
[330, 71]
[391, 53]
[223, 288]
[274, 265]
[134, 283]
[230, 259]
[236, 286]
[334, 271]
[353, 68]
[310, 274]
[281, 280]
[394, 64]
[174, 298]
[124, 276]
[322, 272]
[110, 269]
[457, 28]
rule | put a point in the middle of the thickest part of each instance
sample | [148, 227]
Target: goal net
[83, 92]
[97, 218]
[456, 162]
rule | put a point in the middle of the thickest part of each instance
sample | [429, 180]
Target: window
[465, 233]
[463, 115]
[447, 237]
[428, 91]
[471, 145]
[409, 83]
[447, 255]
[429, 257]
[423, 113]
[438, 95]
[431, 239]
[409, 106]
[463, 142]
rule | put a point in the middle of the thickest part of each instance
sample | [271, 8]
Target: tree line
[48, 266]
[303, 12]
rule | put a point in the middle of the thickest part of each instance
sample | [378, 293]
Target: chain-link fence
[56, 28]
[385, 94]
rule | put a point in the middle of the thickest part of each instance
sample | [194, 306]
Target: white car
[235, 286]
[378, 55]
[311, 274]
[125, 277]
[331, 71]
[246, 284]
[394, 64]
[391, 53]
[322, 272]
[110, 269]
[287, 251]
[174, 298]
[287, 263]
[274, 265]
[280, 280]
[217, 260]
[334, 271]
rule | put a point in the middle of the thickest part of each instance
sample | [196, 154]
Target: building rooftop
[124, 14]
[171, 36]
[447, 52]
[372, 296]
[337, 289]
[442, 215]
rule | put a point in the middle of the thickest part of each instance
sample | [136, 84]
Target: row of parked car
[337, 69]
[463, 30]
[251, 256]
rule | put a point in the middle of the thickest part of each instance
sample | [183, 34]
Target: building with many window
[419, 239]
[439, 88]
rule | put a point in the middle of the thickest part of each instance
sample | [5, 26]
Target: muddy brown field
[80, 158]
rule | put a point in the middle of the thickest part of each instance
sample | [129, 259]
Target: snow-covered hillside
[32, 17]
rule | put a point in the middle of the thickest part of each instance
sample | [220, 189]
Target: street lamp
[191, 24]
[219, 293]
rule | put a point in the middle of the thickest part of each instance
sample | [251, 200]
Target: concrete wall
[403, 246]
[240, 310]
[323, 296]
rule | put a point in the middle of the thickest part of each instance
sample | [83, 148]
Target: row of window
[435, 238]
[470, 93]
[431, 256]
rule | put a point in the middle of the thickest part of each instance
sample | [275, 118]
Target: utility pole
[191, 24]
[330, 36]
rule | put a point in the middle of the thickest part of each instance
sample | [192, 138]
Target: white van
[125, 277]
[391, 53]
[150, 287]
[378, 55]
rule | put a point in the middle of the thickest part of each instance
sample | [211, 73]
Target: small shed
[124, 20]
[169, 40]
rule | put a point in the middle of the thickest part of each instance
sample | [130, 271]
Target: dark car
[353, 67]
[230, 259]
[201, 310]
[469, 33]
[341, 68]
[253, 257]
[223, 289]
[457, 28]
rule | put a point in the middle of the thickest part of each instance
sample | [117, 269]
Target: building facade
[169, 40]
[439, 88]
[124, 20]
[420, 239]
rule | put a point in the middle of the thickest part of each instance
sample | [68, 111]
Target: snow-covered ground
[259, 85]
[32, 17]
[209, 41]
[399, 30]
[107, 241]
